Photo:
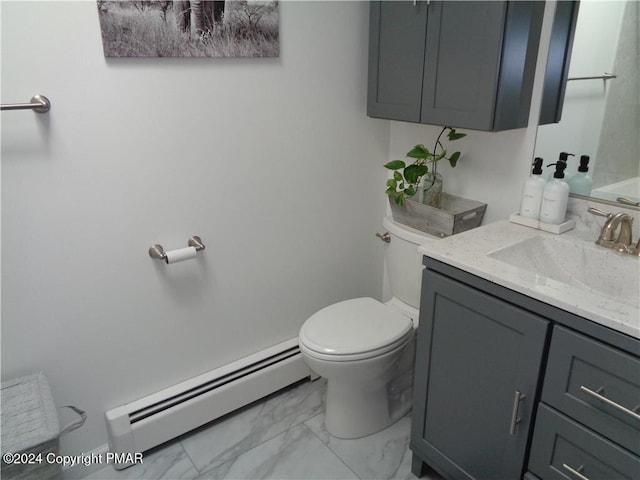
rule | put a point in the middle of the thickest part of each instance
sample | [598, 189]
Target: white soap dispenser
[555, 196]
[532, 192]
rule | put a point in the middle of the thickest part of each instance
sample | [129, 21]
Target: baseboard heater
[157, 418]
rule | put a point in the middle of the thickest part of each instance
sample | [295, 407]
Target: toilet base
[355, 413]
[358, 405]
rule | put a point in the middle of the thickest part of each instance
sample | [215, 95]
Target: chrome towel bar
[39, 104]
[605, 76]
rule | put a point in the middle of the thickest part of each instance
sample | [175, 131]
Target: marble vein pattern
[165, 462]
[383, 455]
[226, 439]
[294, 454]
[475, 252]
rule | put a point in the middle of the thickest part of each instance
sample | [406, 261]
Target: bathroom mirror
[601, 117]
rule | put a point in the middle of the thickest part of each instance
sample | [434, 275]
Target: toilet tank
[403, 262]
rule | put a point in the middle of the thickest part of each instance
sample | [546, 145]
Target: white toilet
[365, 348]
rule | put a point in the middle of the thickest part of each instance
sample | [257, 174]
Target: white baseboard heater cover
[157, 418]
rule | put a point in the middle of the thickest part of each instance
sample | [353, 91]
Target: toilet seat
[355, 329]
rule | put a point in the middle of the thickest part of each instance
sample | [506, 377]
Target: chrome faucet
[623, 241]
[607, 238]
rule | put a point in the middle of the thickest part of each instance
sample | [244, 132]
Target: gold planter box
[455, 215]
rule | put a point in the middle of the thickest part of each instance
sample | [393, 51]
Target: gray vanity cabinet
[466, 64]
[589, 421]
[508, 387]
[583, 375]
[563, 449]
[477, 365]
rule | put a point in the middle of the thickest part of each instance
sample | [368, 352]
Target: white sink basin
[578, 264]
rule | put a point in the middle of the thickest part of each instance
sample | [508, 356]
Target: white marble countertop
[470, 251]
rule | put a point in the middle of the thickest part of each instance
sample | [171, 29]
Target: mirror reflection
[601, 117]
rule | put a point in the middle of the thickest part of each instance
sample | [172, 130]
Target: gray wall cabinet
[500, 387]
[466, 64]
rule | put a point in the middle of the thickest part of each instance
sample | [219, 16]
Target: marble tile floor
[279, 437]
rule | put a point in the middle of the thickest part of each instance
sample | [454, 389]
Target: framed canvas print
[195, 28]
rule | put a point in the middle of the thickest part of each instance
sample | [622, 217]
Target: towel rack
[38, 103]
[605, 76]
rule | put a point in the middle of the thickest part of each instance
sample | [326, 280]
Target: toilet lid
[355, 326]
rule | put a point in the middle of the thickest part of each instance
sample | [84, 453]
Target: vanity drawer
[596, 384]
[564, 449]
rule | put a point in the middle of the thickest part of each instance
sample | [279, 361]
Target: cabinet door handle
[575, 471]
[611, 403]
[514, 412]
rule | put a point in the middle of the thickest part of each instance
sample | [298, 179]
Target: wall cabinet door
[396, 59]
[465, 64]
[477, 371]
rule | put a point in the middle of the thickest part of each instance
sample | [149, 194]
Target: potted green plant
[406, 180]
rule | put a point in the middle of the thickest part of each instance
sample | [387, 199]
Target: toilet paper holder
[156, 251]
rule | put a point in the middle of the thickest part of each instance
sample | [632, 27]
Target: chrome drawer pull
[611, 403]
[575, 471]
[514, 412]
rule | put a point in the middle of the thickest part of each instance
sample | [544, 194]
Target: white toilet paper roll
[180, 255]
